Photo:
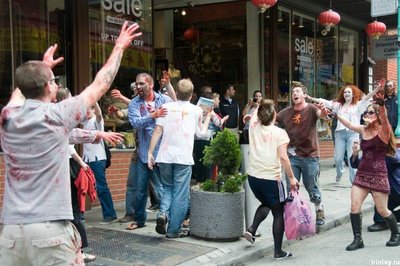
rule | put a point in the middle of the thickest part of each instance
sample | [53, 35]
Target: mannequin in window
[175, 74]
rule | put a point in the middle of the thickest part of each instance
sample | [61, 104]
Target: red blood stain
[78, 117]
[5, 117]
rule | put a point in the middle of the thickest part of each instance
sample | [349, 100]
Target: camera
[255, 99]
[133, 86]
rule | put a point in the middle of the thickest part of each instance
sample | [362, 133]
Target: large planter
[216, 215]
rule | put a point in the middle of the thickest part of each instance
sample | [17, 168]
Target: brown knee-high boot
[395, 236]
[356, 222]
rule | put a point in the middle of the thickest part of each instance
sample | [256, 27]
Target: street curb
[262, 249]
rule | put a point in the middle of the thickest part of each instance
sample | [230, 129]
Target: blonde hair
[184, 90]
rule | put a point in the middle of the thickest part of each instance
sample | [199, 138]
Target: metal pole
[397, 132]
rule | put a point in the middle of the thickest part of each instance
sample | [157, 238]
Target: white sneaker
[88, 257]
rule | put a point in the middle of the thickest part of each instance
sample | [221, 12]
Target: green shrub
[224, 152]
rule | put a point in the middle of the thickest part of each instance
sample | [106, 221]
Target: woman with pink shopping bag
[264, 172]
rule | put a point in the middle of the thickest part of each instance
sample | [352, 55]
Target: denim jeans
[344, 142]
[308, 168]
[103, 192]
[144, 176]
[175, 180]
[131, 189]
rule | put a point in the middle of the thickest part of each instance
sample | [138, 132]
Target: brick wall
[326, 149]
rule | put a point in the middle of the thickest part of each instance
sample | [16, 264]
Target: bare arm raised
[107, 73]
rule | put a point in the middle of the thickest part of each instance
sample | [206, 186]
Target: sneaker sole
[160, 227]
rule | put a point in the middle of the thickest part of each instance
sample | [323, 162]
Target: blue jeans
[144, 176]
[175, 180]
[103, 192]
[131, 189]
[344, 142]
[308, 168]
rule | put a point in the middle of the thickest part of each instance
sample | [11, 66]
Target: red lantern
[191, 34]
[263, 5]
[375, 29]
[328, 19]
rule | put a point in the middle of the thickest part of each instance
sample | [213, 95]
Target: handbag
[299, 220]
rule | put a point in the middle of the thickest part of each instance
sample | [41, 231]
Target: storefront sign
[383, 7]
[134, 7]
[385, 47]
[304, 45]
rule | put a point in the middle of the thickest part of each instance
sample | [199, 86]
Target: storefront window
[210, 46]
[105, 21]
[327, 68]
[348, 52]
[303, 50]
[32, 27]
[283, 64]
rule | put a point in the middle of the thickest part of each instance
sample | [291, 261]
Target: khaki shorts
[44, 243]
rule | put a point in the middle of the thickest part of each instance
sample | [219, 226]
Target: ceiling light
[183, 12]
[301, 25]
[280, 18]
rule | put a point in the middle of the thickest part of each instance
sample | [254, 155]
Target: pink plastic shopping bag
[299, 221]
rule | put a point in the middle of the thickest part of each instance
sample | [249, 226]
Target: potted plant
[217, 206]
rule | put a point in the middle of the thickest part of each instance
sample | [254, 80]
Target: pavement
[114, 245]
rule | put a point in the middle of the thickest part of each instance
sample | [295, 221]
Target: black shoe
[161, 224]
[376, 227]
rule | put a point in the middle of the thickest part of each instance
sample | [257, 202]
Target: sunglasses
[368, 112]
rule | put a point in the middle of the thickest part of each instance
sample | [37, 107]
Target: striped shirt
[139, 113]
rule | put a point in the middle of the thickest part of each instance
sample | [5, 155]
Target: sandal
[249, 237]
[283, 255]
[134, 226]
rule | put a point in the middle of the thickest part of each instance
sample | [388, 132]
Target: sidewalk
[113, 245]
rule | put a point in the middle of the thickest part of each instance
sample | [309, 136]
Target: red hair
[357, 94]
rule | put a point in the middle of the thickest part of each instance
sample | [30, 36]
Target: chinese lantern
[263, 5]
[375, 29]
[190, 34]
[328, 19]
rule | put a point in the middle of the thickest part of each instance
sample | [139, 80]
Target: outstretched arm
[166, 81]
[349, 125]
[116, 94]
[107, 73]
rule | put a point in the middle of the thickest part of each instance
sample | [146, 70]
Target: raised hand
[48, 57]
[111, 137]
[127, 35]
[160, 112]
[116, 94]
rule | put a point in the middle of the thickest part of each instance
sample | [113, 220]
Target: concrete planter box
[215, 215]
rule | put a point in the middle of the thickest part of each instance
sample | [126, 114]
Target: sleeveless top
[372, 172]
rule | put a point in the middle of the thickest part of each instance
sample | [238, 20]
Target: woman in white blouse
[350, 103]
